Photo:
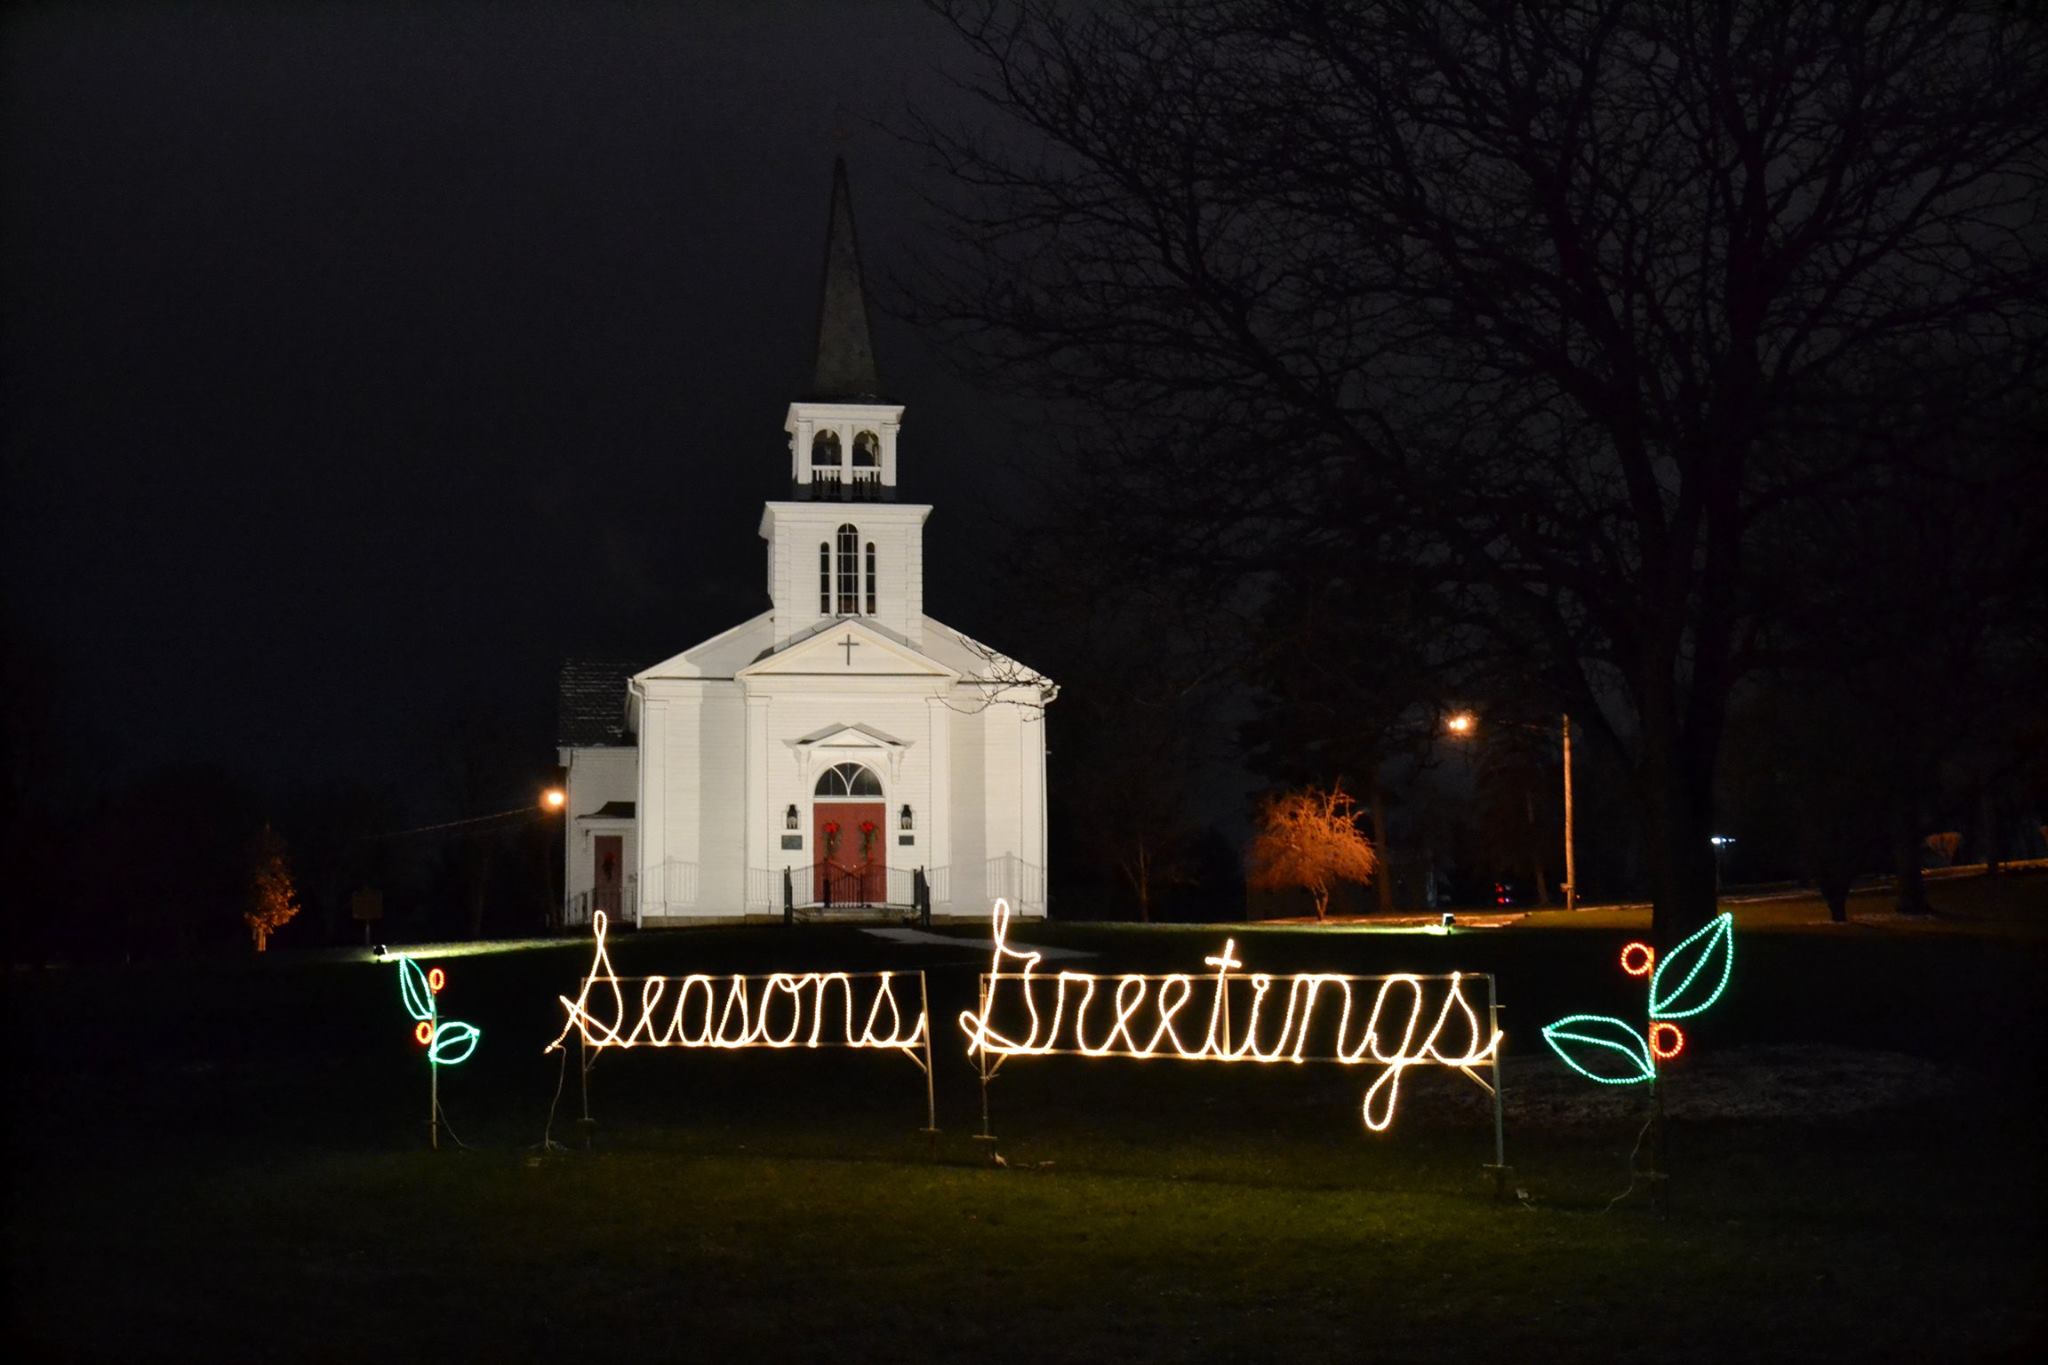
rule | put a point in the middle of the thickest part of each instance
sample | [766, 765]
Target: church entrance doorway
[848, 873]
[609, 859]
[849, 835]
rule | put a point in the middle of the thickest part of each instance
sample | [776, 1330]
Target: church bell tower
[842, 519]
[842, 433]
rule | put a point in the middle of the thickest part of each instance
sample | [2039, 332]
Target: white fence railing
[669, 887]
[1008, 877]
[621, 905]
[843, 885]
[673, 888]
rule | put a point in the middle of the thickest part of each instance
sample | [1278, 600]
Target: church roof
[845, 365]
[590, 703]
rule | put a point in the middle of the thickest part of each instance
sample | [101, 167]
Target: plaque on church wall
[792, 841]
[906, 838]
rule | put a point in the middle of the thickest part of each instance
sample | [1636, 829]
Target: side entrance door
[609, 853]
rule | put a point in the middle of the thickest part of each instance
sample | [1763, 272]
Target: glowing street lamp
[1463, 725]
[553, 801]
[1721, 843]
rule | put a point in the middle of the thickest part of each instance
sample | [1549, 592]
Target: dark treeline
[1673, 368]
[162, 865]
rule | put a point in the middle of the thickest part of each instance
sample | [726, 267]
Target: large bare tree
[1556, 307]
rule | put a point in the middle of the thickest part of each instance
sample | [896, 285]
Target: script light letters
[1309, 1016]
[782, 1010]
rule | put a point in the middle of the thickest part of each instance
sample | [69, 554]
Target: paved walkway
[924, 938]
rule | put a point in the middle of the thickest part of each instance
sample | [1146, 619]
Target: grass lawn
[223, 1161]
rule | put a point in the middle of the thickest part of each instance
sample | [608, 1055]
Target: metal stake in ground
[586, 1125]
[931, 1106]
[1500, 1169]
[984, 1137]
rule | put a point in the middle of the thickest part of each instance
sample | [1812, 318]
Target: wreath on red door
[867, 840]
[831, 837]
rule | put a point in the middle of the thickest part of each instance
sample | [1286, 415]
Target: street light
[1463, 725]
[553, 801]
[1720, 843]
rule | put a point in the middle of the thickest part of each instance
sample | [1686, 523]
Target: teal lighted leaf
[413, 988]
[1601, 1048]
[1699, 967]
[453, 1042]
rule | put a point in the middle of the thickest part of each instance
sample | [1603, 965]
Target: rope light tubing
[1144, 1017]
[1684, 983]
[448, 1043]
[777, 1011]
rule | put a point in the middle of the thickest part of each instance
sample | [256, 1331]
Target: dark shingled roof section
[590, 708]
[846, 351]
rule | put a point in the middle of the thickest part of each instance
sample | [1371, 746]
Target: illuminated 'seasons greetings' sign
[780, 1010]
[1394, 1022]
[1389, 1022]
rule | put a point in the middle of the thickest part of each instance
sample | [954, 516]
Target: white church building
[840, 749]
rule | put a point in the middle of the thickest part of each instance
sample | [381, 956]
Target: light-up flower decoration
[448, 1042]
[1613, 1051]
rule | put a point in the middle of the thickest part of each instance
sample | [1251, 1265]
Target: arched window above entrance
[849, 779]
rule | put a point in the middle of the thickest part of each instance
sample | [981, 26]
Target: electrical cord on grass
[1635, 1180]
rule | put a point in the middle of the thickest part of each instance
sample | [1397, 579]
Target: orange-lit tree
[1310, 839]
[1565, 320]
[273, 900]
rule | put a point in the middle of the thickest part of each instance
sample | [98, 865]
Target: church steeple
[842, 545]
[842, 433]
[845, 366]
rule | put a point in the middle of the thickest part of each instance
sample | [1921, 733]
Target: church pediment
[721, 656]
[854, 736]
[839, 743]
[849, 648]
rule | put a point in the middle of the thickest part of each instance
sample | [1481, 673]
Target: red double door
[852, 865]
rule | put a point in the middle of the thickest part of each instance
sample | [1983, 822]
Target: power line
[457, 824]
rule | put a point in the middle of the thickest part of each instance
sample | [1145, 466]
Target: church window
[871, 578]
[824, 577]
[867, 451]
[825, 450]
[849, 571]
[849, 779]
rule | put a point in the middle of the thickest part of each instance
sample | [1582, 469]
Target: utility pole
[1464, 725]
[1571, 866]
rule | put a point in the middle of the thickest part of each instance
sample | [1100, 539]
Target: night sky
[361, 362]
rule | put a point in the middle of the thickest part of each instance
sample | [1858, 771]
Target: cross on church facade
[849, 644]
